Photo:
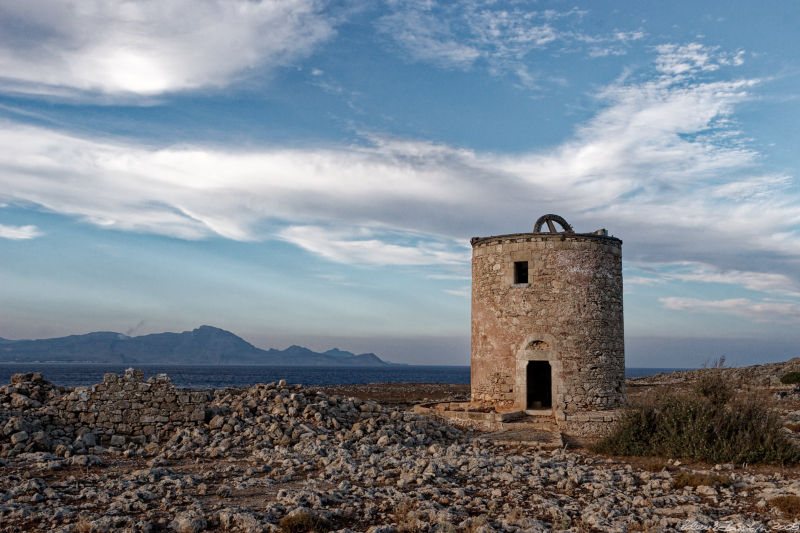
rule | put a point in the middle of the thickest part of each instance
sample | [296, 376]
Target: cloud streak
[364, 246]
[19, 233]
[499, 35]
[146, 48]
[675, 60]
[763, 311]
[766, 282]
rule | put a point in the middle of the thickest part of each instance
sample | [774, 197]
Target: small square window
[520, 272]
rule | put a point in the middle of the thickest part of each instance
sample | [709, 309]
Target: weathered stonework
[125, 408]
[567, 314]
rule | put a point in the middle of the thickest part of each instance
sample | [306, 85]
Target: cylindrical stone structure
[547, 322]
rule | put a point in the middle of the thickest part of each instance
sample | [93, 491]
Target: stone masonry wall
[126, 408]
[569, 314]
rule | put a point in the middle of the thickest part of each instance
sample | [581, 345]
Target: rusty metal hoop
[549, 219]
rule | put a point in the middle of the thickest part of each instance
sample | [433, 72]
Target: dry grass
[516, 514]
[708, 423]
[406, 518]
[691, 479]
[476, 523]
[444, 526]
[789, 506]
[658, 466]
[304, 523]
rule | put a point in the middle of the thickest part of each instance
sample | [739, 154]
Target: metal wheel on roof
[550, 220]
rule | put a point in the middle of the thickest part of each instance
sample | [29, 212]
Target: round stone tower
[547, 325]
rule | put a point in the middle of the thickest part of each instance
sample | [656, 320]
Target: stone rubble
[269, 451]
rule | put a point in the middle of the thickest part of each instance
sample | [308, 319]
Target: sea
[217, 377]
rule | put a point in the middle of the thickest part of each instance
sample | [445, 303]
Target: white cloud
[459, 35]
[754, 188]
[19, 232]
[659, 166]
[628, 36]
[463, 292]
[428, 39]
[363, 246]
[605, 51]
[759, 311]
[693, 57]
[149, 47]
[461, 277]
[615, 44]
[766, 282]
[642, 280]
[501, 35]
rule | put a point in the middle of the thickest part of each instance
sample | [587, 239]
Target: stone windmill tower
[547, 323]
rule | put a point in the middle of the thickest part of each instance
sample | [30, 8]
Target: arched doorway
[539, 381]
[538, 374]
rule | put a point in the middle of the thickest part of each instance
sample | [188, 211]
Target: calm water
[201, 377]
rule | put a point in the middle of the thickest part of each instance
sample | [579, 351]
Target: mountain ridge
[205, 345]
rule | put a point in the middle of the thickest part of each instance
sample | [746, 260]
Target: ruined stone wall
[569, 314]
[126, 408]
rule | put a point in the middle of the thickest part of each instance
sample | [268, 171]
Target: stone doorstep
[513, 422]
[526, 437]
[589, 416]
[545, 413]
[530, 423]
[531, 427]
[507, 417]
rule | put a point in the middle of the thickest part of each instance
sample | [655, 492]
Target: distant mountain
[205, 345]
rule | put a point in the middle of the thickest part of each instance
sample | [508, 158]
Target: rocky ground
[341, 462]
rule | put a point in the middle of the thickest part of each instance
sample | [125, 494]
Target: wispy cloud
[500, 35]
[149, 47]
[766, 282]
[336, 279]
[463, 292]
[18, 233]
[660, 164]
[427, 38]
[462, 277]
[642, 280]
[753, 188]
[457, 35]
[365, 246]
[760, 311]
[689, 58]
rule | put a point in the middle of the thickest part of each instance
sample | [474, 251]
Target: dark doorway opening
[539, 380]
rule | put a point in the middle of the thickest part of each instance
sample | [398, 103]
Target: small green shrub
[706, 425]
[789, 506]
[304, 523]
[791, 378]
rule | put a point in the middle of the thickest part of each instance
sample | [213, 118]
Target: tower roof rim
[475, 241]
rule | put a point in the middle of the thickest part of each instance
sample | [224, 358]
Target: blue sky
[309, 172]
